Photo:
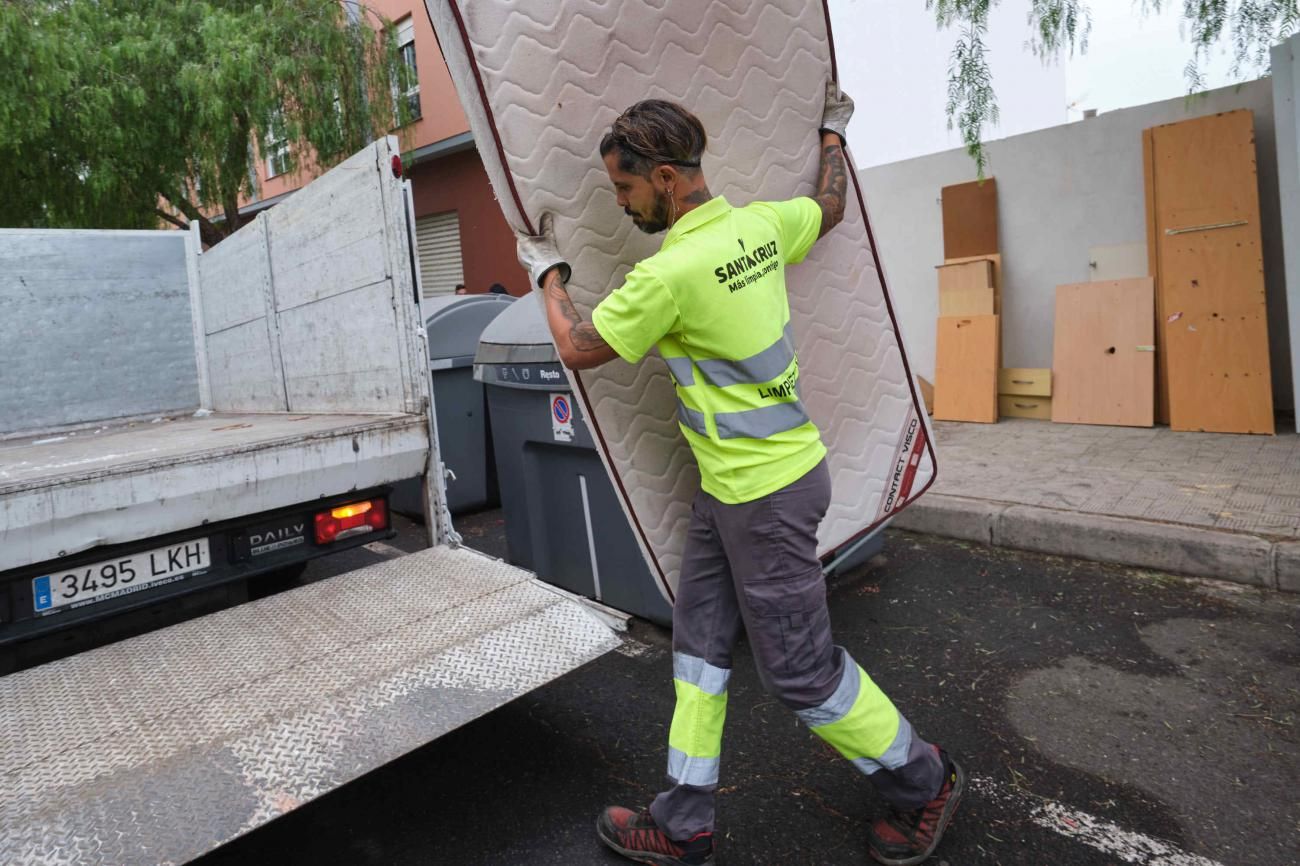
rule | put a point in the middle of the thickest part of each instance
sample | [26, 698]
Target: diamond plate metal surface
[159, 748]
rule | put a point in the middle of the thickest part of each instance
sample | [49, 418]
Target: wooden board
[974, 274]
[1019, 406]
[970, 219]
[1025, 381]
[927, 394]
[1103, 359]
[995, 260]
[1213, 321]
[1153, 265]
[967, 302]
[966, 369]
[966, 289]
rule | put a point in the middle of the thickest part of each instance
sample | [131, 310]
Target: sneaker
[636, 836]
[906, 837]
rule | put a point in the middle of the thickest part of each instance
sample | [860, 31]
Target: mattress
[542, 80]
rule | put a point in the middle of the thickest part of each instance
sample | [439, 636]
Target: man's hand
[538, 253]
[836, 112]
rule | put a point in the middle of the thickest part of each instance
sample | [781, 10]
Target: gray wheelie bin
[454, 324]
[563, 520]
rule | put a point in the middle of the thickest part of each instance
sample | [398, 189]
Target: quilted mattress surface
[541, 82]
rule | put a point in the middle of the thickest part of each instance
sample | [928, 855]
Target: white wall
[1286, 108]
[1061, 191]
[893, 61]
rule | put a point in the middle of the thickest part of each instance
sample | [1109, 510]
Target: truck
[176, 422]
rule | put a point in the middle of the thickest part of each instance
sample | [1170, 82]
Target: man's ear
[666, 175]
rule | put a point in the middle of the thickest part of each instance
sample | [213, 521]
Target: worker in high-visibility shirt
[713, 300]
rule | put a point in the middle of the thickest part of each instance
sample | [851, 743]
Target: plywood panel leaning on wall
[927, 394]
[995, 262]
[1103, 358]
[970, 219]
[966, 289]
[1204, 228]
[966, 369]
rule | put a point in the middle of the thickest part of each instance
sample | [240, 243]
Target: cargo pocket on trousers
[790, 616]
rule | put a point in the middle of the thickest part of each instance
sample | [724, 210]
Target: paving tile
[1238, 483]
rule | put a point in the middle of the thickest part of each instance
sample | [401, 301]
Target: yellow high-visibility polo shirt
[713, 300]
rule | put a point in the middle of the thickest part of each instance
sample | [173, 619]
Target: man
[713, 300]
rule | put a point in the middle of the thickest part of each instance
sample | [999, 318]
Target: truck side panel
[307, 311]
[94, 325]
[242, 343]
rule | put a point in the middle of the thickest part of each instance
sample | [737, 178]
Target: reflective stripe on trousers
[695, 738]
[861, 723]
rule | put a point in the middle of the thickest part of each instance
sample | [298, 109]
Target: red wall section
[458, 182]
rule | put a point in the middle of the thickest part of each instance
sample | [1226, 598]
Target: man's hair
[655, 132]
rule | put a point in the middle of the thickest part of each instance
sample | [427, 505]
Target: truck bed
[66, 492]
[159, 748]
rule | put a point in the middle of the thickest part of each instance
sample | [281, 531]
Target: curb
[1188, 550]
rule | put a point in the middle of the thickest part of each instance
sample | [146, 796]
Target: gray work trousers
[754, 566]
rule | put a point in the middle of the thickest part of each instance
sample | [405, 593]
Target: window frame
[407, 54]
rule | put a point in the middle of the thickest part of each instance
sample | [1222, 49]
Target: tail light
[355, 518]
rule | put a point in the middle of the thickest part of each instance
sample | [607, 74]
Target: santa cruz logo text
[739, 268]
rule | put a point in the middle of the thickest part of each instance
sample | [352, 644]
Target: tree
[1251, 26]
[126, 113]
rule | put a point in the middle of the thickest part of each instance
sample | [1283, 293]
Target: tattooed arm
[581, 345]
[832, 182]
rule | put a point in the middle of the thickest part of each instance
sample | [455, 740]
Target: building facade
[462, 236]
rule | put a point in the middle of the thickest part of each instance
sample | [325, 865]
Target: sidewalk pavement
[1203, 504]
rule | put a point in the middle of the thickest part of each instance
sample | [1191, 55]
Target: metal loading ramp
[162, 747]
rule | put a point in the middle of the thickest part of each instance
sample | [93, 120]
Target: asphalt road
[1105, 716]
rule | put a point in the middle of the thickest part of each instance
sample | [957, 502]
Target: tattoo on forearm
[832, 185]
[582, 334]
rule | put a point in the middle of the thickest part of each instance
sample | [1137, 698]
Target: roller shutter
[438, 237]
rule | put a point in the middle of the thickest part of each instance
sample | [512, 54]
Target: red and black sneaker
[636, 836]
[906, 837]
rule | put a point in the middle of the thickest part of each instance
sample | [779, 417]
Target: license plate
[113, 577]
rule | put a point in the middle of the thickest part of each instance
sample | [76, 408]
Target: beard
[658, 219]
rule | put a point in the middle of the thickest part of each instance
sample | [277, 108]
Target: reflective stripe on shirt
[754, 370]
[762, 422]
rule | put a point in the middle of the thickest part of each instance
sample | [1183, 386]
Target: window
[276, 148]
[406, 51]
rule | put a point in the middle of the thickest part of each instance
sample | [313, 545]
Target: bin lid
[454, 322]
[519, 335]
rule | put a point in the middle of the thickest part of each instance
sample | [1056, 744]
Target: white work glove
[836, 113]
[538, 253]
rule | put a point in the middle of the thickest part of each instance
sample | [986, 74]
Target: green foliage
[1251, 27]
[110, 110]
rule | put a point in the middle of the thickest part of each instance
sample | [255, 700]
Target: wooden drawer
[1025, 381]
[1014, 406]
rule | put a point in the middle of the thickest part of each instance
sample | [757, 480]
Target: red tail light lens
[355, 518]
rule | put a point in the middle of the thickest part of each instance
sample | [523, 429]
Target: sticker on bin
[561, 418]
